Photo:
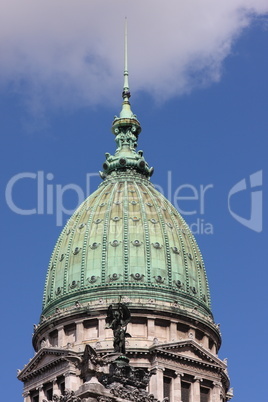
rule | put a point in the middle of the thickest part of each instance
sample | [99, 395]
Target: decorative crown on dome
[126, 129]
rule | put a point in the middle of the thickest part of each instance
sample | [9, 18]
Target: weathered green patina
[126, 239]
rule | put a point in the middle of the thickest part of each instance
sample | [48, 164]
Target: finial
[126, 93]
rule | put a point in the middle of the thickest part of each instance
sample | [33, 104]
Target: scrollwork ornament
[94, 245]
[175, 250]
[136, 243]
[116, 219]
[114, 277]
[135, 219]
[179, 284]
[159, 279]
[92, 279]
[74, 284]
[76, 250]
[97, 221]
[137, 276]
[154, 221]
[115, 243]
[58, 291]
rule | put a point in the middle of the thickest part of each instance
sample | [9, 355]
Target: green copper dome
[126, 240]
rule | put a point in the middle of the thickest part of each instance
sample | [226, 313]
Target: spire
[126, 129]
[126, 92]
[126, 112]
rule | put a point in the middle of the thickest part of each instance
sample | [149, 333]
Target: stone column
[27, 397]
[177, 387]
[216, 392]
[61, 336]
[79, 332]
[173, 331]
[72, 381]
[56, 390]
[150, 329]
[205, 342]
[196, 389]
[101, 329]
[157, 384]
[41, 393]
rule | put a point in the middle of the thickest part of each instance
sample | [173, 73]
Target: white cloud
[62, 53]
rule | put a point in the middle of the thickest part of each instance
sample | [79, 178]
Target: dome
[126, 239]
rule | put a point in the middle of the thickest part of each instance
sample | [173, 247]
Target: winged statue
[117, 319]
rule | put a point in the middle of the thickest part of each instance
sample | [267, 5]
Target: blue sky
[207, 128]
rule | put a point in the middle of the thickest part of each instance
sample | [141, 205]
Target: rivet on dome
[103, 204]
[157, 245]
[62, 257]
[117, 202]
[81, 226]
[190, 256]
[68, 232]
[133, 202]
[149, 204]
[169, 225]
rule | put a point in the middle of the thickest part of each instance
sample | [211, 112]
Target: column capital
[178, 374]
[196, 378]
